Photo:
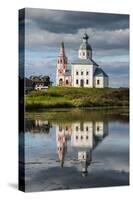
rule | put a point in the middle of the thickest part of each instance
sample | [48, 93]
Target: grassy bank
[61, 97]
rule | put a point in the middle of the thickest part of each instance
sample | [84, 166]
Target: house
[40, 82]
[83, 72]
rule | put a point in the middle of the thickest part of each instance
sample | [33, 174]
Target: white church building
[83, 72]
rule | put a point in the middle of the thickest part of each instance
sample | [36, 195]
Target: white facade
[82, 75]
[101, 82]
[40, 86]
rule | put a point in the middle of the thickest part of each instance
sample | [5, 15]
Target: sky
[46, 29]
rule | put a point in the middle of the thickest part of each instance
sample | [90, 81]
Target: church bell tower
[61, 66]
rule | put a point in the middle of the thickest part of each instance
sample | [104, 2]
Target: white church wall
[85, 73]
[99, 82]
[59, 78]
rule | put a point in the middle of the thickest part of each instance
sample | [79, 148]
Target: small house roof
[28, 82]
[100, 72]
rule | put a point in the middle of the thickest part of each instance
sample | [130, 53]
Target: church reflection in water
[84, 137]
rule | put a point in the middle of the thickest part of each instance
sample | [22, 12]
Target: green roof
[88, 61]
[67, 72]
[99, 72]
[85, 46]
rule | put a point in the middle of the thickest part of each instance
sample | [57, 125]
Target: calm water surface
[69, 149]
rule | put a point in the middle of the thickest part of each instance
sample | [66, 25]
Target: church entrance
[60, 81]
[81, 83]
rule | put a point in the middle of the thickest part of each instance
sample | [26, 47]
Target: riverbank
[62, 97]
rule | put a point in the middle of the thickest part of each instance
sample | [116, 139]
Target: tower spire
[62, 49]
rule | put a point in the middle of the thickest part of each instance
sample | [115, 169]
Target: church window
[66, 82]
[83, 53]
[77, 81]
[77, 73]
[60, 81]
[87, 73]
[98, 82]
[60, 60]
[81, 127]
[76, 137]
[82, 73]
[81, 137]
[87, 137]
[66, 128]
[77, 128]
[60, 128]
[86, 128]
[87, 81]
[98, 128]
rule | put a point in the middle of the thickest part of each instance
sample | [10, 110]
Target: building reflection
[37, 126]
[84, 138]
[63, 134]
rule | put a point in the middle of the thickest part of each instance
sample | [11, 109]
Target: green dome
[85, 46]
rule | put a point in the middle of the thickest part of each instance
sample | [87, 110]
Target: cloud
[101, 40]
[71, 21]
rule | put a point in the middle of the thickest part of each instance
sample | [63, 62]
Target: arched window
[98, 128]
[66, 82]
[60, 128]
[98, 82]
[60, 81]
[87, 81]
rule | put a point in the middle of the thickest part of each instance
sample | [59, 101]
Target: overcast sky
[109, 38]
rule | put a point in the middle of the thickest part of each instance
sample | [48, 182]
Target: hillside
[62, 97]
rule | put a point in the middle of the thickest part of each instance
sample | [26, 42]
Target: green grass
[62, 97]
